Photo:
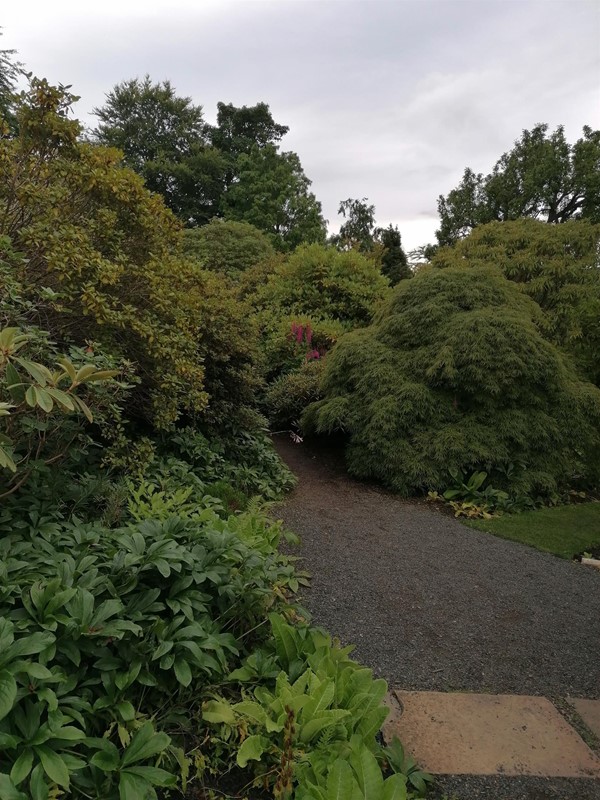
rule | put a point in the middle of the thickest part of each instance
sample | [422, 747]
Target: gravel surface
[433, 605]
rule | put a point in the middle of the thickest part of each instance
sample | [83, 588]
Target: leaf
[44, 401]
[145, 743]
[218, 711]
[8, 791]
[106, 759]
[394, 788]
[183, 673]
[154, 775]
[251, 749]
[132, 787]
[285, 640]
[38, 785]
[54, 767]
[8, 693]
[22, 767]
[339, 781]
[367, 773]
[126, 710]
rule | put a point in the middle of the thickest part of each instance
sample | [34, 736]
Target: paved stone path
[434, 606]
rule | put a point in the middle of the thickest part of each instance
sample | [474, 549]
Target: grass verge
[564, 530]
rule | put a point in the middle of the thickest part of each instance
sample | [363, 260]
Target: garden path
[433, 605]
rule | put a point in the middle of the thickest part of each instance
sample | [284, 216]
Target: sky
[385, 99]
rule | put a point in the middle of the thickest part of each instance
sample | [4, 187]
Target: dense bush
[288, 396]
[455, 375]
[227, 247]
[557, 265]
[97, 258]
[323, 283]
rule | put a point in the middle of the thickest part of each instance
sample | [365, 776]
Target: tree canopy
[272, 193]
[543, 177]
[455, 374]
[359, 231]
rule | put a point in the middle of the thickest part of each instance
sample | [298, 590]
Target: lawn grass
[564, 530]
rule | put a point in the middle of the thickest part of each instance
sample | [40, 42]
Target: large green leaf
[21, 768]
[8, 693]
[154, 775]
[340, 781]
[54, 767]
[132, 787]
[145, 744]
[394, 788]
[217, 711]
[8, 791]
[251, 749]
[368, 773]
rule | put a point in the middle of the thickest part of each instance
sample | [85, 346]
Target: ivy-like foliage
[455, 375]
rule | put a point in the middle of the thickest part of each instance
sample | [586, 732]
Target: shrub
[288, 396]
[556, 265]
[455, 374]
[229, 248]
[323, 283]
[97, 257]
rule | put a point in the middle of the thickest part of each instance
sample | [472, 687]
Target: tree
[358, 230]
[9, 74]
[558, 266]
[272, 193]
[543, 177]
[228, 247]
[162, 137]
[239, 130]
[394, 263]
[455, 374]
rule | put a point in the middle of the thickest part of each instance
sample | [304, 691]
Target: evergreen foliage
[455, 374]
[97, 257]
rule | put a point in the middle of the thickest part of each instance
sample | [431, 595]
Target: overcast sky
[385, 99]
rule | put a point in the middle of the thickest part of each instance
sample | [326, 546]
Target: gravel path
[433, 605]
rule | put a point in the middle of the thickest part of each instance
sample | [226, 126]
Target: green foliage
[543, 176]
[41, 410]
[394, 263]
[288, 212]
[95, 255]
[556, 265]
[323, 283]
[288, 396]
[102, 630]
[162, 137]
[455, 374]
[228, 248]
[319, 710]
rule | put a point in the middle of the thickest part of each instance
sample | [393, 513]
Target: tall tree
[272, 193]
[163, 138]
[394, 263]
[543, 177]
[358, 229]
[358, 232]
[9, 74]
[238, 130]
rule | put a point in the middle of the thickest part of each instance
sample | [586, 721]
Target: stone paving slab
[589, 711]
[482, 734]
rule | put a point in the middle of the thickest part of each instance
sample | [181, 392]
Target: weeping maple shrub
[556, 265]
[455, 374]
